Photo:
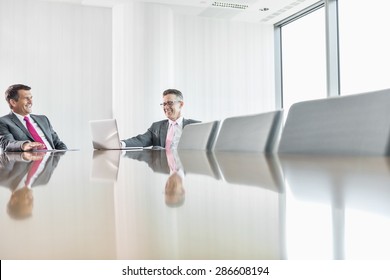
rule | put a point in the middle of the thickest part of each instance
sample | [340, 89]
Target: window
[303, 57]
[364, 45]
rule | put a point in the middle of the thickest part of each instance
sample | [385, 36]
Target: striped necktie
[170, 135]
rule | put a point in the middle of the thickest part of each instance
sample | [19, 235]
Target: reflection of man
[22, 171]
[174, 191]
[156, 159]
[174, 188]
[168, 162]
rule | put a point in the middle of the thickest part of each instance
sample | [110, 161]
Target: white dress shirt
[177, 133]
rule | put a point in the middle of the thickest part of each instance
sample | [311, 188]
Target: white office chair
[356, 124]
[251, 133]
[198, 136]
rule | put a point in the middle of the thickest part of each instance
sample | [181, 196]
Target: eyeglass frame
[169, 103]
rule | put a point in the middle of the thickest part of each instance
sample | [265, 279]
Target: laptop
[105, 135]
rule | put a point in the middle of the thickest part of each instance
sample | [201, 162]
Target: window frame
[332, 48]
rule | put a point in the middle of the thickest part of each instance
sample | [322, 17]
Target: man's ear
[12, 102]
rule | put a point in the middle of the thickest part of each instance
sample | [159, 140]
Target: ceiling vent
[229, 5]
[283, 10]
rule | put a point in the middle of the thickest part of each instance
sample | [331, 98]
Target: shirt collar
[179, 121]
[20, 117]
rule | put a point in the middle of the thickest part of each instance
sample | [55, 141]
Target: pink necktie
[170, 134]
[33, 132]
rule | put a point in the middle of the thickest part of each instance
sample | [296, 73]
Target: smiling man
[22, 131]
[165, 133]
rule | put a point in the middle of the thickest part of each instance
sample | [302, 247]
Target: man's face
[24, 103]
[172, 111]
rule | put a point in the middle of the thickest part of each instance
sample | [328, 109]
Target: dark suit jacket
[155, 136]
[13, 133]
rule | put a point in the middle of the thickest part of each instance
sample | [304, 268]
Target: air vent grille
[230, 5]
[284, 9]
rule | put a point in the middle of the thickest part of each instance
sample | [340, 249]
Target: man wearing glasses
[165, 133]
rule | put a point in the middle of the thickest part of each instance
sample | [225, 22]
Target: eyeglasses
[169, 103]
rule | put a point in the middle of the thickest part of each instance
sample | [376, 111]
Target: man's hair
[12, 92]
[176, 92]
[19, 207]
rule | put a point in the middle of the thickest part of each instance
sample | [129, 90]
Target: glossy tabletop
[150, 204]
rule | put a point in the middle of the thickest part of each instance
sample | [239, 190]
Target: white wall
[92, 63]
[64, 52]
[142, 64]
[223, 68]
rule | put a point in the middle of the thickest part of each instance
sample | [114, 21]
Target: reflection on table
[151, 204]
[217, 220]
[20, 172]
[338, 207]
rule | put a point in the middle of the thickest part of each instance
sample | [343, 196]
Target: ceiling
[260, 11]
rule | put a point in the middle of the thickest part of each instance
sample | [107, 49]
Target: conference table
[137, 205]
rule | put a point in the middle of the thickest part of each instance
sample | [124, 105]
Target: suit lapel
[43, 128]
[163, 132]
[19, 124]
[185, 122]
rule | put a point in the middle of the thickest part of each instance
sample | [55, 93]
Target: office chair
[251, 133]
[356, 124]
[198, 136]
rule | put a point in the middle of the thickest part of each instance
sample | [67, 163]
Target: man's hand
[29, 146]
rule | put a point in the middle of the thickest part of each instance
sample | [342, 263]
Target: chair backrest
[356, 124]
[251, 133]
[198, 136]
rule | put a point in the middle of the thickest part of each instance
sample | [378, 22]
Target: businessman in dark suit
[157, 134]
[22, 131]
